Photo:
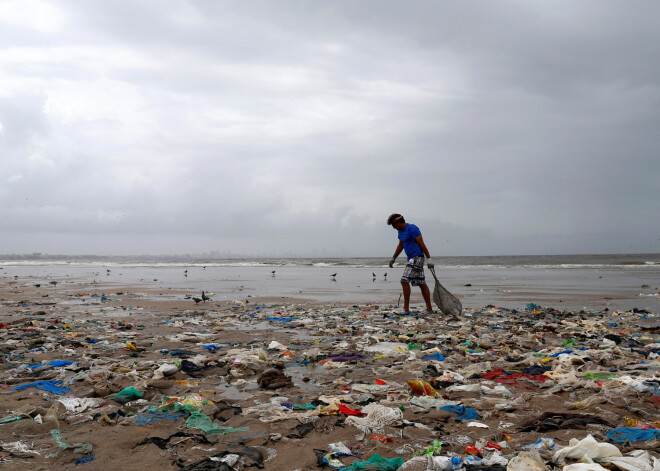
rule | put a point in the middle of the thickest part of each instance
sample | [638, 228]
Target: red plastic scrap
[493, 446]
[494, 374]
[382, 438]
[348, 411]
[512, 379]
[380, 381]
[473, 450]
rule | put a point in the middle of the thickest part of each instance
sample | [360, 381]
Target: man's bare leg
[406, 296]
[427, 297]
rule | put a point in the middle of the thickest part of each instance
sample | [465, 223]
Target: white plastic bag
[587, 448]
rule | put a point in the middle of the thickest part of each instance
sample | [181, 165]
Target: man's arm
[422, 246]
[398, 250]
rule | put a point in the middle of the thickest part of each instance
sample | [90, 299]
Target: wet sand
[68, 320]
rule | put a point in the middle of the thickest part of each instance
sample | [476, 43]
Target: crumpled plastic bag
[584, 467]
[126, 395]
[389, 348]
[587, 448]
[167, 369]
[637, 460]
[428, 402]
[78, 404]
[378, 417]
[526, 461]
[428, 463]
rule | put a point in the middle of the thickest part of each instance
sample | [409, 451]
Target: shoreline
[568, 289]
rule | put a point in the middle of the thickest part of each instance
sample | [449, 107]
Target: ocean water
[525, 261]
[617, 281]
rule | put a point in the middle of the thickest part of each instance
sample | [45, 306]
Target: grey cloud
[261, 126]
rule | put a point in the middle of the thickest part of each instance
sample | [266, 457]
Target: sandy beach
[276, 380]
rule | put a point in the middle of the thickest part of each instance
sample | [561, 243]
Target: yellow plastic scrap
[422, 388]
[121, 369]
[630, 422]
[195, 400]
[131, 346]
[186, 383]
[332, 409]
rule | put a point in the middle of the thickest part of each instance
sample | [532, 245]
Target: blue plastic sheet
[631, 434]
[212, 347]
[50, 386]
[555, 355]
[464, 413]
[436, 356]
[55, 363]
[280, 319]
[85, 460]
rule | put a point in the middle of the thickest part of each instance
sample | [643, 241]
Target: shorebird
[273, 272]
[185, 273]
[385, 275]
[205, 297]
[197, 300]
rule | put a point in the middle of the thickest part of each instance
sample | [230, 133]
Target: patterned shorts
[414, 271]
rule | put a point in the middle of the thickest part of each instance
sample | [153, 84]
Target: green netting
[11, 418]
[204, 423]
[78, 448]
[376, 463]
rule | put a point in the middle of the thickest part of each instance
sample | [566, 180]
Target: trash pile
[244, 385]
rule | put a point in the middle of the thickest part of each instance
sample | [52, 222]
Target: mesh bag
[446, 302]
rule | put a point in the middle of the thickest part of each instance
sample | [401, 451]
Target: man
[410, 240]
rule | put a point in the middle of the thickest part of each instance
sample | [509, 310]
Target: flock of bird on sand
[204, 298]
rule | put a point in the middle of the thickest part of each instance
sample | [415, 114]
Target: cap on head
[395, 219]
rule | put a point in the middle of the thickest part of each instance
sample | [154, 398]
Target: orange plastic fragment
[422, 388]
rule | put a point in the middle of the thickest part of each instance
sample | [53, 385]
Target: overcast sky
[297, 127]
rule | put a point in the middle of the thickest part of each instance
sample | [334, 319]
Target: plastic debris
[630, 434]
[496, 389]
[78, 448]
[50, 386]
[126, 395]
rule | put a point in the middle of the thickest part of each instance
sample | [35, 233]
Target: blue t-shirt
[408, 236]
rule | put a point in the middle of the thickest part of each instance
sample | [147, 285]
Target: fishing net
[446, 302]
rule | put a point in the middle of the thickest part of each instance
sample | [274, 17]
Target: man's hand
[392, 262]
[429, 263]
